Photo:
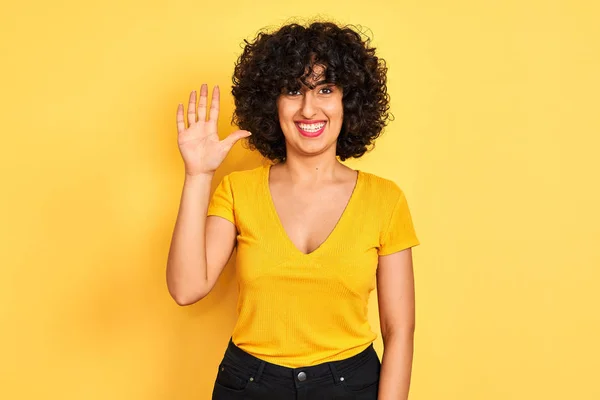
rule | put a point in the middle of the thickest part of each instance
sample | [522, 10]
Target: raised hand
[199, 143]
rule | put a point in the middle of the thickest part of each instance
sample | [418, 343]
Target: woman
[313, 236]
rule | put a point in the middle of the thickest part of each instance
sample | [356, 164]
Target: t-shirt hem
[222, 215]
[398, 247]
[295, 363]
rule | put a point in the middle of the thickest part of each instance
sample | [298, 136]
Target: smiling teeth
[311, 127]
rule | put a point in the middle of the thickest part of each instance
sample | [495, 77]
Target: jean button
[302, 376]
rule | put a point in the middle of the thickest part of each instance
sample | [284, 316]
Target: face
[311, 119]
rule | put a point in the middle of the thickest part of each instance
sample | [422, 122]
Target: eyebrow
[300, 84]
[314, 85]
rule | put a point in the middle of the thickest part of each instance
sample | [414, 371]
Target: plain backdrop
[495, 143]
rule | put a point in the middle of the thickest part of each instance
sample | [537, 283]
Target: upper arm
[220, 241]
[398, 232]
[396, 292]
[221, 230]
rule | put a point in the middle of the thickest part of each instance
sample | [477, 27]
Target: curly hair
[278, 61]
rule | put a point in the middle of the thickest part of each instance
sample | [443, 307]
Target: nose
[309, 107]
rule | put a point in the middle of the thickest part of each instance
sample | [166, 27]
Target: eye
[293, 92]
[326, 90]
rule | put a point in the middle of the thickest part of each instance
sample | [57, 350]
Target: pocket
[232, 378]
[364, 379]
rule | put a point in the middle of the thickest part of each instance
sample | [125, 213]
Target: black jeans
[242, 376]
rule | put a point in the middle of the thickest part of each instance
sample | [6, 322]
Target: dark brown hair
[276, 61]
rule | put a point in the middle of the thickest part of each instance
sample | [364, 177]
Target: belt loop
[259, 372]
[334, 372]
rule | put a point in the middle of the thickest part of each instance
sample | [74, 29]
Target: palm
[199, 143]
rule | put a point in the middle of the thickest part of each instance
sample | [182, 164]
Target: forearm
[186, 266]
[396, 366]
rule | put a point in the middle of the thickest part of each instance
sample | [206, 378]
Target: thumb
[230, 140]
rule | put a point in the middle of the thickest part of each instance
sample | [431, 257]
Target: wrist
[199, 177]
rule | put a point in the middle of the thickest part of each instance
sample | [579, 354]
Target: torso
[309, 214]
[297, 309]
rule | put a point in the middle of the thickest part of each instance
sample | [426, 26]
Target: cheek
[335, 113]
[334, 110]
[285, 111]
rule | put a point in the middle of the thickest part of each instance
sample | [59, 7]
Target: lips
[310, 129]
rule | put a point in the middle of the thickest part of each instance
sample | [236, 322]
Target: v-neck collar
[281, 229]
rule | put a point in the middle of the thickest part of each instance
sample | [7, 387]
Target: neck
[312, 169]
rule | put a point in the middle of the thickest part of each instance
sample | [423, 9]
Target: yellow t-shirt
[297, 309]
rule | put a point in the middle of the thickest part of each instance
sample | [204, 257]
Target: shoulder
[245, 180]
[384, 189]
[247, 174]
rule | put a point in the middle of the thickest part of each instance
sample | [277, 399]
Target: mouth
[310, 129]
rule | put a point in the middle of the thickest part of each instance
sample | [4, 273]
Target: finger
[202, 103]
[214, 105]
[180, 119]
[230, 140]
[191, 114]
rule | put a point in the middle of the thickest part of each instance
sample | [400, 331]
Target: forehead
[318, 71]
[313, 75]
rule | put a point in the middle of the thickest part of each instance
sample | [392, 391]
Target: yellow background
[495, 143]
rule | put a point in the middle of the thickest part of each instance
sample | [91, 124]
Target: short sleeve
[399, 232]
[221, 203]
